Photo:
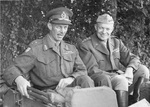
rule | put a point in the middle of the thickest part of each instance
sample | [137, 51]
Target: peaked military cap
[105, 18]
[60, 15]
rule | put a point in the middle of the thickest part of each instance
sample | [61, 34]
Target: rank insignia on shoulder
[86, 39]
[36, 42]
[28, 49]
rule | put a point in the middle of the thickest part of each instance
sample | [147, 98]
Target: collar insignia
[45, 47]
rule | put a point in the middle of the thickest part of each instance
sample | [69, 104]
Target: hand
[22, 85]
[129, 75]
[64, 82]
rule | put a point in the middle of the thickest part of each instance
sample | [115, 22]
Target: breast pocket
[47, 66]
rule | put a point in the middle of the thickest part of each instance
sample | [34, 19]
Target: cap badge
[64, 16]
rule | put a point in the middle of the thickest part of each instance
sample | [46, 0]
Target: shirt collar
[49, 43]
[96, 41]
[54, 42]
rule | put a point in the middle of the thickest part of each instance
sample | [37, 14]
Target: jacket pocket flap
[67, 57]
[45, 59]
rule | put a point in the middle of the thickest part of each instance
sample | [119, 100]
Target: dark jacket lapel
[99, 46]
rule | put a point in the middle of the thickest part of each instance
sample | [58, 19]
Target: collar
[95, 40]
[48, 42]
[64, 46]
[100, 46]
[54, 42]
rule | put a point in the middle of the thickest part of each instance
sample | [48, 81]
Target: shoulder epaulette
[36, 42]
[86, 39]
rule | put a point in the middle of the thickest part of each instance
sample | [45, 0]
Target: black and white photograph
[74, 53]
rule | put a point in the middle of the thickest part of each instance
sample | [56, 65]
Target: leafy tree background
[23, 21]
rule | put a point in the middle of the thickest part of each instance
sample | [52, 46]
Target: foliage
[24, 21]
[133, 27]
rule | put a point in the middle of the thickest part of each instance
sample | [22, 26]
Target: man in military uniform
[50, 62]
[103, 54]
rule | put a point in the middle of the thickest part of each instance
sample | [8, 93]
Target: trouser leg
[140, 76]
[136, 91]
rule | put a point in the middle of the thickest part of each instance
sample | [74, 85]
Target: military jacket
[99, 58]
[45, 64]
